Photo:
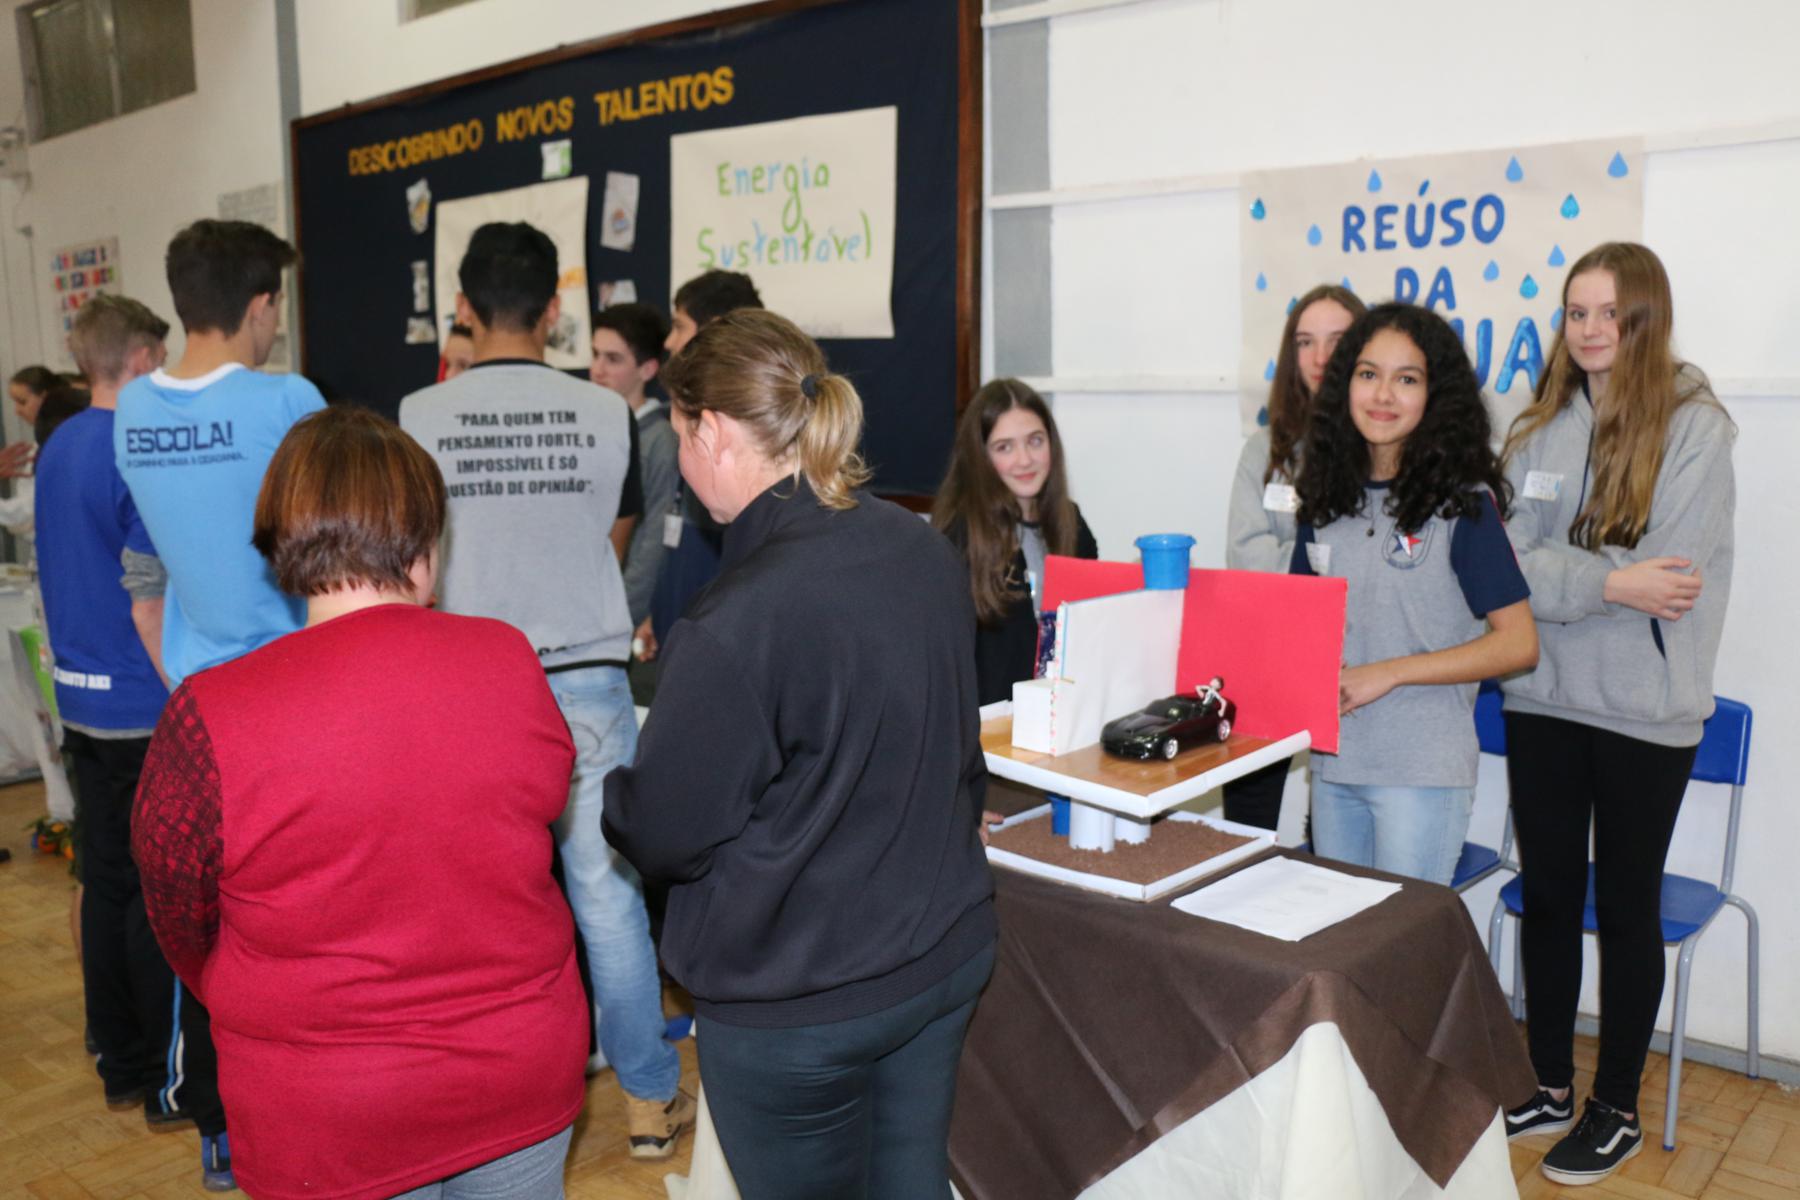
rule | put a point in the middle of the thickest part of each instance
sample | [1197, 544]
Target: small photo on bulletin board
[828, 148]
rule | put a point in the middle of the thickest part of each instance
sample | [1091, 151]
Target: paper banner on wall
[804, 207]
[1484, 239]
[78, 273]
[560, 210]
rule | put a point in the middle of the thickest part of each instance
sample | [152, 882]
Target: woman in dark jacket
[809, 783]
[1005, 504]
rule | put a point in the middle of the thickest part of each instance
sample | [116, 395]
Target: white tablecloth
[1308, 1128]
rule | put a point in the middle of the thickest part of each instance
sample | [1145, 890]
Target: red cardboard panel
[1276, 640]
[1067, 579]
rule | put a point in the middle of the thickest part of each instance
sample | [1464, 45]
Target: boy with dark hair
[541, 470]
[192, 444]
[106, 633]
[628, 353]
[704, 299]
[459, 352]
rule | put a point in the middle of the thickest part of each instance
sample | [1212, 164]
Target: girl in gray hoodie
[1621, 467]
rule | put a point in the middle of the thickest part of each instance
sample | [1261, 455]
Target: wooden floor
[1737, 1140]
[58, 1141]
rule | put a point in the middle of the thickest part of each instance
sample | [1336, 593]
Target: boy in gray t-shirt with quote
[543, 478]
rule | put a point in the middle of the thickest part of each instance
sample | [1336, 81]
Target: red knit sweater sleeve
[176, 840]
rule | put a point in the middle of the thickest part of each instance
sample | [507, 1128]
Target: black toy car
[1165, 726]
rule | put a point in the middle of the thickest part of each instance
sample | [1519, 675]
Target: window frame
[32, 66]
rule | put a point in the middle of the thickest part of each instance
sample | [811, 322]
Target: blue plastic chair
[1477, 862]
[1688, 905]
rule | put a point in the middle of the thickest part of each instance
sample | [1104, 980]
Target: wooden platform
[1139, 788]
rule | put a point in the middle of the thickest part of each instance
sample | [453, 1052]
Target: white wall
[140, 177]
[354, 50]
[1199, 87]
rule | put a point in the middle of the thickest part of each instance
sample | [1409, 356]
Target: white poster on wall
[1484, 239]
[560, 210]
[804, 207]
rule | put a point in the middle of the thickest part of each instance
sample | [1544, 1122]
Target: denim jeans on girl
[1414, 831]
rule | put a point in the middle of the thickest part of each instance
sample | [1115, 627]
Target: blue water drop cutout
[1617, 168]
[1491, 272]
[1292, 300]
[1423, 187]
[1514, 172]
[1269, 371]
[1313, 236]
[1257, 211]
[1374, 181]
[1556, 256]
[1529, 288]
[1262, 416]
[1570, 209]
[1556, 319]
[1345, 284]
[1262, 283]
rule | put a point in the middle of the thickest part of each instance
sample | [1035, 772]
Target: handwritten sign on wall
[805, 207]
[1484, 239]
[559, 209]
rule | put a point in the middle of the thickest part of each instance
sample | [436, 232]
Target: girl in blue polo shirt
[1402, 495]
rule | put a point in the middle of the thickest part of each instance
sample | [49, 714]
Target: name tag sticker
[672, 530]
[1318, 557]
[1543, 485]
[1280, 497]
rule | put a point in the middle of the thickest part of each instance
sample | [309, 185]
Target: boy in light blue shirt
[193, 441]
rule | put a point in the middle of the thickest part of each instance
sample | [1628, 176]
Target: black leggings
[1564, 775]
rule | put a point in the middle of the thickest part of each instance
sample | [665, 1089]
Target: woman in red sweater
[344, 840]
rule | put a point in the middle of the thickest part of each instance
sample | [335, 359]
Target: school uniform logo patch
[1407, 550]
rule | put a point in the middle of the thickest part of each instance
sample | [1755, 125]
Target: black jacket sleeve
[706, 754]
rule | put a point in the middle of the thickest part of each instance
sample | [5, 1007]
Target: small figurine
[1165, 726]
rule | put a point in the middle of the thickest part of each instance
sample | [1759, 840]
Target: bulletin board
[704, 94]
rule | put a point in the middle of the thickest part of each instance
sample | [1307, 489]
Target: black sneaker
[1600, 1145]
[1543, 1113]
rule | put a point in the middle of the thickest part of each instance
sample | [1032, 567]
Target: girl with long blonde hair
[1621, 466]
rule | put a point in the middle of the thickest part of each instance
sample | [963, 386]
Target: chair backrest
[1724, 757]
[1724, 754]
[1490, 726]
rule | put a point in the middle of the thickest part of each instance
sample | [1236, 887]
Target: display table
[1129, 1050]
[1110, 1025]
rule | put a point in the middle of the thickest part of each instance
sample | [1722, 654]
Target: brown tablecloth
[1108, 1023]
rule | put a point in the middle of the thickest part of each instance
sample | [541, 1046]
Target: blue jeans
[849, 1110]
[604, 890]
[1416, 831]
[534, 1173]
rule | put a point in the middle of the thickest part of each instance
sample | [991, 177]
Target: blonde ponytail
[760, 370]
[826, 447]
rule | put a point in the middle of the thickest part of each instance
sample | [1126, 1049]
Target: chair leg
[1518, 995]
[1753, 939]
[1677, 1038]
[1496, 930]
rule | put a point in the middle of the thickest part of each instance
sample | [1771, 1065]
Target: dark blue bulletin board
[615, 102]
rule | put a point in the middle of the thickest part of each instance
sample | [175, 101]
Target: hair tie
[809, 387]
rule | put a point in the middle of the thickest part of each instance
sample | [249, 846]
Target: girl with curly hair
[1624, 530]
[1005, 505]
[1259, 529]
[1401, 494]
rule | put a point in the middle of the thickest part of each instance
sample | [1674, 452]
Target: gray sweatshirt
[1259, 528]
[538, 466]
[1604, 664]
[657, 459]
